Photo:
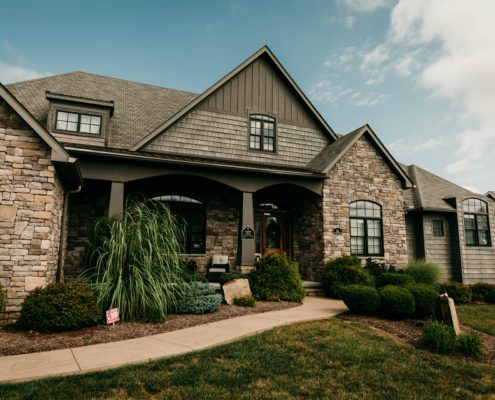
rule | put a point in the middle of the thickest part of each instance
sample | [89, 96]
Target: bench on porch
[219, 265]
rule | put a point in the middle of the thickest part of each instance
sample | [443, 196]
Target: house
[490, 194]
[251, 154]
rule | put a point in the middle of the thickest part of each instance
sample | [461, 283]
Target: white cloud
[326, 91]
[372, 65]
[342, 61]
[14, 73]
[348, 21]
[363, 5]
[405, 147]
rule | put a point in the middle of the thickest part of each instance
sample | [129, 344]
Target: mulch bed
[20, 342]
[410, 331]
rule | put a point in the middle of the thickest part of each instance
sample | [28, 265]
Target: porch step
[313, 288]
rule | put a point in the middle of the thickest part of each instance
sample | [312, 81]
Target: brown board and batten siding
[219, 126]
[438, 248]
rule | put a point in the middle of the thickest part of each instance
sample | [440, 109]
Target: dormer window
[261, 132]
[78, 123]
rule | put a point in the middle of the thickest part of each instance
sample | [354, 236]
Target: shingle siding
[438, 249]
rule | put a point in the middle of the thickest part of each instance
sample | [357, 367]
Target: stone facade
[31, 202]
[362, 174]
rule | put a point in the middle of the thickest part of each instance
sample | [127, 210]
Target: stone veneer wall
[362, 174]
[31, 201]
[85, 208]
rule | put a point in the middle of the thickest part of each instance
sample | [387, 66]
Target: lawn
[318, 360]
[481, 318]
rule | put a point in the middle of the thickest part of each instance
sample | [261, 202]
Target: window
[78, 123]
[261, 133]
[193, 214]
[366, 228]
[437, 227]
[476, 228]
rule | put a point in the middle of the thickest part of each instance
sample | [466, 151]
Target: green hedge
[393, 278]
[423, 272]
[60, 307]
[483, 292]
[342, 271]
[229, 276]
[245, 301]
[396, 301]
[424, 297]
[360, 299]
[200, 298]
[459, 292]
[276, 278]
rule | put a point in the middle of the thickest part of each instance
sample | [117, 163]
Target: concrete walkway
[115, 354]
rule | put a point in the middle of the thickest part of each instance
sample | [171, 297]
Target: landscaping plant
[229, 276]
[424, 298]
[393, 278]
[459, 292]
[200, 298]
[60, 307]
[396, 301]
[423, 272]
[470, 344]
[376, 268]
[341, 271]
[245, 301]
[438, 337]
[483, 292]
[134, 262]
[276, 278]
[360, 299]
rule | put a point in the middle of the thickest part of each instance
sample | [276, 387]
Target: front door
[274, 233]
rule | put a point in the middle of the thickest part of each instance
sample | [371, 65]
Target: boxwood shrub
[245, 301]
[459, 292]
[200, 298]
[342, 271]
[60, 307]
[276, 278]
[393, 278]
[483, 292]
[360, 299]
[423, 272]
[396, 301]
[424, 298]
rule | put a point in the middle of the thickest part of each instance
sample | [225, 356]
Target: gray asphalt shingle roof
[139, 108]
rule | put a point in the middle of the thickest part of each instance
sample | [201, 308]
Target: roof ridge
[40, 78]
[417, 185]
[446, 180]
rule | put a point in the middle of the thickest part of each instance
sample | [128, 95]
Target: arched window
[192, 213]
[261, 132]
[366, 228]
[476, 227]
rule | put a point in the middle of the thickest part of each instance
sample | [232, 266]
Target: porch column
[116, 206]
[248, 246]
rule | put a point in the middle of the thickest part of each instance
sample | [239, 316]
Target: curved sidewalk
[115, 354]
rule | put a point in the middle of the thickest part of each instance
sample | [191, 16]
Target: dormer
[79, 120]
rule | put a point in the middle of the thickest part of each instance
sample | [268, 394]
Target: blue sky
[425, 86]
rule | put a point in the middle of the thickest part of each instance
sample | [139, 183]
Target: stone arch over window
[262, 132]
[366, 228]
[192, 213]
[476, 225]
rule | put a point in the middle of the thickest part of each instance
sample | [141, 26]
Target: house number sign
[247, 233]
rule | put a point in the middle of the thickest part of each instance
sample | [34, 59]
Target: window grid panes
[366, 228]
[437, 227]
[78, 123]
[476, 227]
[262, 133]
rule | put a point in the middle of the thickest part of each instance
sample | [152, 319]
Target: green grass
[481, 318]
[331, 359]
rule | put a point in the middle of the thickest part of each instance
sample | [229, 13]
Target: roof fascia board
[82, 100]
[211, 89]
[346, 148]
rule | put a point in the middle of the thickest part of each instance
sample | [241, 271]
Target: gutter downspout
[63, 231]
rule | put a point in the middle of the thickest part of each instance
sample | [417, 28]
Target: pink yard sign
[113, 316]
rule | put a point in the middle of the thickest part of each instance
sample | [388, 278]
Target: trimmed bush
[2, 298]
[375, 268]
[483, 292]
[393, 278]
[245, 301]
[229, 276]
[360, 299]
[438, 337]
[424, 298]
[396, 301]
[342, 271]
[459, 292]
[200, 298]
[470, 344]
[276, 278]
[60, 307]
[423, 272]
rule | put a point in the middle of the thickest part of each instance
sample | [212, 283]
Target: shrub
[483, 292]
[200, 298]
[424, 298]
[360, 299]
[134, 262]
[187, 277]
[60, 307]
[438, 337]
[276, 278]
[470, 344]
[423, 272]
[393, 278]
[342, 271]
[459, 292]
[396, 301]
[2, 298]
[229, 276]
[375, 268]
[245, 301]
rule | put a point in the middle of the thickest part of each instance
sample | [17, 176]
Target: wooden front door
[274, 231]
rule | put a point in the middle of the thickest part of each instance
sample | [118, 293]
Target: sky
[420, 72]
